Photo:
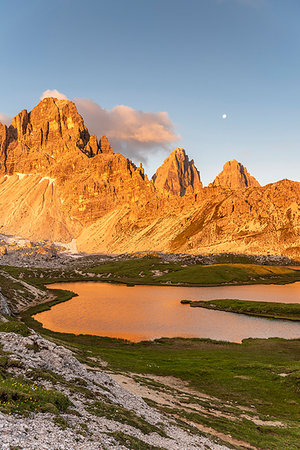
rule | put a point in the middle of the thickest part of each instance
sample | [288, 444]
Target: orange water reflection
[148, 312]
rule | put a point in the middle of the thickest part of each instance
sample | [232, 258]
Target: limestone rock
[58, 184]
[234, 175]
[3, 250]
[177, 174]
[104, 145]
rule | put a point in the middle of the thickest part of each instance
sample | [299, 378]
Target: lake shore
[269, 310]
[247, 392]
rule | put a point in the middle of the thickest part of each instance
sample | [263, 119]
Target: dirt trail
[174, 393]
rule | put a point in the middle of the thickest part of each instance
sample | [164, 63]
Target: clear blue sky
[195, 59]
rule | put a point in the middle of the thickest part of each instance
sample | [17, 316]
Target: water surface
[148, 312]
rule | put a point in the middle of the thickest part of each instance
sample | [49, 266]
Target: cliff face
[59, 183]
[250, 221]
[88, 177]
[177, 174]
[234, 175]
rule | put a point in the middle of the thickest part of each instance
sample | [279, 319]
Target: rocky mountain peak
[50, 115]
[104, 145]
[37, 140]
[177, 174]
[235, 176]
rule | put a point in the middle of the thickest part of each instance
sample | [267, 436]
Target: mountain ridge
[58, 182]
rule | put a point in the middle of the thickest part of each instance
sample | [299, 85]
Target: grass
[270, 310]
[14, 326]
[132, 442]
[142, 271]
[116, 412]
[247, 374]
[217, 274]
[77, 386]
[265, 437]
[61, 422]
[17, 395]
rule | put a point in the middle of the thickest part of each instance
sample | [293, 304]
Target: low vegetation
[259, 376]
[21, 396]
[132, 442]
[157, 271]
[270, 310]
[18, 396]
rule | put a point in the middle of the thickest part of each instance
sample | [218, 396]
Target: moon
[224, 116]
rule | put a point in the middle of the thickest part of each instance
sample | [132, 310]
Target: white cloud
[6, 120]
[53, 93]
[132, 132]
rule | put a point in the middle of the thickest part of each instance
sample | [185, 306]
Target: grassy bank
[256, 379]
[154, 271]
[270, 310]
[19, 395]
[157, 271]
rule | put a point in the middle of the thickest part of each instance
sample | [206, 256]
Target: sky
[160, 74]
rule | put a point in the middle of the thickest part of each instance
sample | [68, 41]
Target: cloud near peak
[137, 134]
[53, 93]
[6, 120]
[132, 132]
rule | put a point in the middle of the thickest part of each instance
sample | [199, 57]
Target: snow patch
[21, 175]
[51, 180]
[70, 247]
[9, 239]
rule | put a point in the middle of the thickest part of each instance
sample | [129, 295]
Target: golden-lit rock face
[234, 175]
[177, 174]
[59, 183]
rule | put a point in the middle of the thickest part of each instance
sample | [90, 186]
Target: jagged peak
[104, 145]
[177, 174]
[235, 176]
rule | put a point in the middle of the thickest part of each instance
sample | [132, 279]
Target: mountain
[86, 177]
[177, 174]
[234, 175]
[59, 183]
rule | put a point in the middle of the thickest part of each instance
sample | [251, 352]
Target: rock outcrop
[104, 145]
[59, 183]
[177, 174]
[235, 176]
[87, 178]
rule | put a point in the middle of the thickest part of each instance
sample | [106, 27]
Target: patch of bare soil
[172, 392]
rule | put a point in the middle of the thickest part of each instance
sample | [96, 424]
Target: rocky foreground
[59, 183]
[102, 414]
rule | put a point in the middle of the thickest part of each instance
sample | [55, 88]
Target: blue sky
[194, 59]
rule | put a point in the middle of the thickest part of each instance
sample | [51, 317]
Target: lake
[148, 312]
